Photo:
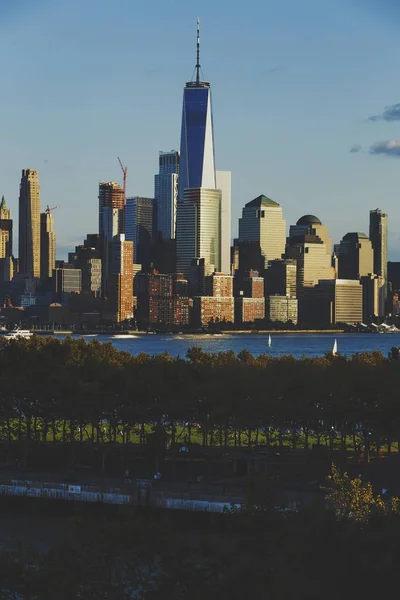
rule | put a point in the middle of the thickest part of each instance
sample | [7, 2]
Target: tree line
[74, 391]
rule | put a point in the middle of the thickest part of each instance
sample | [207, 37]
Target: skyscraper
[6, 230]
[198, 228]
[140, 227]
[29, 224]
[199, 235]
[378, 226]
[378, 234]
[311, 225]
[166, 193]
[224, 184]
[197, 164]
[111, 195]
[120, 283]
[262, 223]
[112, 224]
[47, 245]
[356, 258]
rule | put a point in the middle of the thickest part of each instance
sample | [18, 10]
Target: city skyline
[353, 181]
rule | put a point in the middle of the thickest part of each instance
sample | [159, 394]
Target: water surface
[297, 344]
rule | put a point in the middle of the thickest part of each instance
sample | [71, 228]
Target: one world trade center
[198, 235]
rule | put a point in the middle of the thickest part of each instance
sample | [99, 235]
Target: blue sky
[295, 85]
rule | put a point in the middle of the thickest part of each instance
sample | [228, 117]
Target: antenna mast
[198, 53]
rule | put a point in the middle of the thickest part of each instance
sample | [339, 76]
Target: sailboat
[334, 349]
[269, 340]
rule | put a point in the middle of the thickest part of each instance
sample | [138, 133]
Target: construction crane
[125, 172]
[49, 210]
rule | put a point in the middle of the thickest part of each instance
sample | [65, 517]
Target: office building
[263, 225]
[197, 167]
[331, 302]
[164, 255]
[166, 193]
[66, 282]
[311, 225]
[111, 195]
[199, 228]
[393, 274]
[29, 224]
[281, 278]
[199, 235]
[120, 281]
[281, 309]
[7, 269]
[355, 256]
[248, 257]
[6, 230]
[371, 289]
[224, 183]
[47, 245]
[313, 261]
[141, 227]
[378, 234]
[112, 224]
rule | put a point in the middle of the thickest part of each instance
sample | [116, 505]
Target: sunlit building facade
[262, 224]
[29, 224]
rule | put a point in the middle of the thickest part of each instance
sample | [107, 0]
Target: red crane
[125, 172]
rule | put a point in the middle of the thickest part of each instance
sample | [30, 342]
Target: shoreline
[197, 333]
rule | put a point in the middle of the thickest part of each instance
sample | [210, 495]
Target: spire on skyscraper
[198, 67]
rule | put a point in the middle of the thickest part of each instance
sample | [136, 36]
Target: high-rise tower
[197, 164]
[378, 234]
[29, 224]
[111, 195]
[263, 225]
[198, 226]
[166, 193]
[47, 245]
[140, 227]
[6, 230]
[378, 224]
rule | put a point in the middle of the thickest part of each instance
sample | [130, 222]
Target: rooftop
[355, 235]
[308, 220]
[262, 201]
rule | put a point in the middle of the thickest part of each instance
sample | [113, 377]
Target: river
[297, 344]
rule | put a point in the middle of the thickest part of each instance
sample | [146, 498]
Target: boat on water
[18, 333]
[334, 349]
[269, 341]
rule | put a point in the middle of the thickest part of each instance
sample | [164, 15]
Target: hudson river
[300, 344]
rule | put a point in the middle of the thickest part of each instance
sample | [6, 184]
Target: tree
[353, 499]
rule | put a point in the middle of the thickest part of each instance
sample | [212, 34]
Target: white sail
[334, 349]
[269, 340]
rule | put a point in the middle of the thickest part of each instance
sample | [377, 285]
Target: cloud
[355, 148]
[387, 148]
[390, 113]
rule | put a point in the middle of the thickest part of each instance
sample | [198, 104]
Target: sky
[306, 102]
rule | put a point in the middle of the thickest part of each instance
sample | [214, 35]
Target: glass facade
[200, 232]
[166, 193]
[140, 227]
[197, 167]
